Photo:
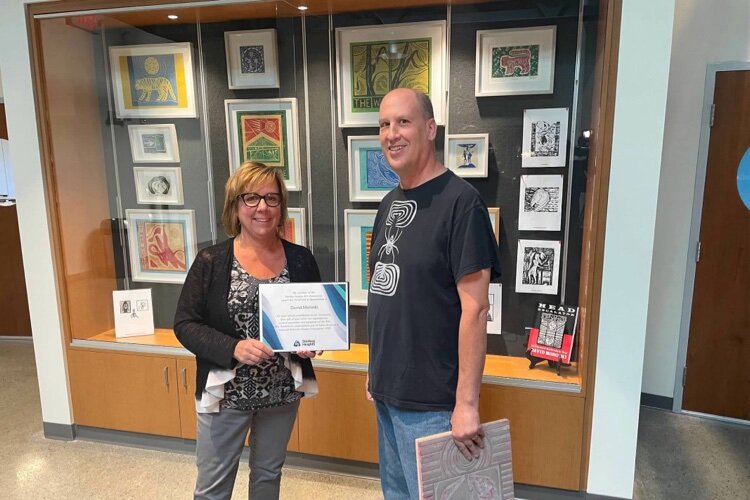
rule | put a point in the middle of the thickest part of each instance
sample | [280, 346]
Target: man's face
[405, 135]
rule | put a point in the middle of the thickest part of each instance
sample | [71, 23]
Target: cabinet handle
[184, 378]
[166, 376]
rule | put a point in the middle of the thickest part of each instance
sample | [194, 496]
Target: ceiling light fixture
[173, 17]
[302, 8]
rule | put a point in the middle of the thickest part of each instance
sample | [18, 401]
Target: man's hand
[467, 431]
[252, 352]
[367, 385]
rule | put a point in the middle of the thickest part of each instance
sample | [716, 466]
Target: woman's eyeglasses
[252, 199]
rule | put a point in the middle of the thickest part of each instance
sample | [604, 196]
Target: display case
[145, 112]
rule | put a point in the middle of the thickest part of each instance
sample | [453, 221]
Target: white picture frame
[540, 203]
[370, 176]
[515, 61]
[545, 137]
[429, 43]
[153, 81]
[252, 59]
[295, 230]
[494, 213]
[161, 244]
[356, 225]
[154, 143]
[158, 185]
[495, 313]
[538, 266]
[467, 155]
[278, 115]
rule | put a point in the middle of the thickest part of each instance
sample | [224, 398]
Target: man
[433, 255]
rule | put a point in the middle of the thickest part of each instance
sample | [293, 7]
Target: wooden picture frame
[252, 59]
[370, 176]
[154, 143]
[361, 85]
[265, 130]
[158, 185]
[153, 81]
[516, 61]
[467, 154]
[358, 225]
[161, 244]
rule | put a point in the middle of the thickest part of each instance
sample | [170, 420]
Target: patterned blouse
[268, 383]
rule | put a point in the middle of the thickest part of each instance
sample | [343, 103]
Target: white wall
[32, 215]
[704, 33]
[640, 104]
[1, 86]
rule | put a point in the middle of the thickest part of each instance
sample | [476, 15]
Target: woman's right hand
[252, 352]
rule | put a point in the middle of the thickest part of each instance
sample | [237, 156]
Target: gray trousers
[221, 437]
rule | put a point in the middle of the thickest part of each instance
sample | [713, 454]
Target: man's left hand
[467, 431]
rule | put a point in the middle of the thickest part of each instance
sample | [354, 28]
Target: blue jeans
[397, 430]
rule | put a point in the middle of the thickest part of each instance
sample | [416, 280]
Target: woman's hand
[252, 352]
[308, 354]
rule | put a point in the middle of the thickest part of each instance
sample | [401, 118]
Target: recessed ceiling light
[172, 17]
[302, 7]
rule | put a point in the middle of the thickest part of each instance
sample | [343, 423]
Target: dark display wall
[327, 175]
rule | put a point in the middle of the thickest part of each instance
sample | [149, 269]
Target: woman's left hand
[308, 354]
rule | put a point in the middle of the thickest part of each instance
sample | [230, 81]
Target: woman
[241, 384]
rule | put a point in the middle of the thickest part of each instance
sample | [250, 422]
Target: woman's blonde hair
[250, 176]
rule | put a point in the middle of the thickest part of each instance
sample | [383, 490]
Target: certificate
[304, 316]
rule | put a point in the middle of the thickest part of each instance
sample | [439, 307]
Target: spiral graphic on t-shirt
[384, 279]
[401, 213]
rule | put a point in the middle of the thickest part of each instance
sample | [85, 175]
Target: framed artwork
[372, 60]
[515, 61]
[540, 203]
[537, 266]
[153, 81]
[161, 244]
[467, 154]
[154, 143]
[158, 185]
[252, 59]
[545, 137]
[495, 221]
[264, 130]
[294, 230]
[495, 314]
[357, 245]
[370, 175]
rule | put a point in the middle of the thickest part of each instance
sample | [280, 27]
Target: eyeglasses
[253, 199]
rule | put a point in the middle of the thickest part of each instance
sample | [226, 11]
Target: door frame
[695, 227]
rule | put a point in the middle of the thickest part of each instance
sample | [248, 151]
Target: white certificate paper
[134, 314]
[304, 316]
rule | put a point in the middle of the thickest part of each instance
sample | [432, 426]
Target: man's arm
[472, 348]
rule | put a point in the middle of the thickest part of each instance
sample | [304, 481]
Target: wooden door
[718, 359]
[127, 392]
[186, 389]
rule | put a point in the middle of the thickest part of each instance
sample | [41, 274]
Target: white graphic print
[384, 280]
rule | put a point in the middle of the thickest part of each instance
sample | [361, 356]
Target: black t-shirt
[424, 241]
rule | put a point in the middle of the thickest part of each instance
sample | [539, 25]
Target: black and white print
[540, 203]
[158, 185]
[537, 266]
[252, 59]
[545, 137]
[551, 330]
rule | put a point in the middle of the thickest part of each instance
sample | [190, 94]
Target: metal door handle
[184, 378]
[166, 376]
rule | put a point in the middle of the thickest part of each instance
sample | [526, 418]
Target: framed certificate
[304, 316]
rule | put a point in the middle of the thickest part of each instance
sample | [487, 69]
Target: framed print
[515, 61]
[537, 266]
[252, 59]
[294, 230]
[161, 243]
[134, 312]
[264, 130]
[495, 221]
[154, 143]
[545, 137]
[466, 154]
[158, 185]
[370, 175]
[372, 60]
[357, 244]
[153, 81]
[540, 203]
[495, 314]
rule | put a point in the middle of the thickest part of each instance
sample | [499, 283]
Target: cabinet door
[127, 392]
[186, 390]
[339, 422]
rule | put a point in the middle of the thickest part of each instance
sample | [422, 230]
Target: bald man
[433, 256]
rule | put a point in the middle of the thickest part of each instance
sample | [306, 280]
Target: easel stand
[556, 364]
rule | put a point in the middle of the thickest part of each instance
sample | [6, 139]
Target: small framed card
[495, 315]
[134, 314]
[294, 229]
[304, 316]
[545, 137]
[252, 60]
[537, 266]
[158, 185]
[370, 175]
[466, 154]
[540, 203]
[154, 143]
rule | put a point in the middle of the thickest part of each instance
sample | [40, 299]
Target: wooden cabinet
[186, 379]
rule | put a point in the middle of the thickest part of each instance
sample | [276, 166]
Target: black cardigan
[202, 322]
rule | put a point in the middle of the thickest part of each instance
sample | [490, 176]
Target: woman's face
[260, 222]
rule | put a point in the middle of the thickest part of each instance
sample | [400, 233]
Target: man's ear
[431, 129]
